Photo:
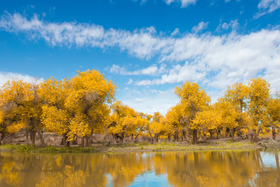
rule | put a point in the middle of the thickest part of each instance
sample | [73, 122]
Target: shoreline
[135, 147]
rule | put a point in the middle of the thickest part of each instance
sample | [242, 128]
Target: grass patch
[144, 143]
[48, 149]
[158, 147]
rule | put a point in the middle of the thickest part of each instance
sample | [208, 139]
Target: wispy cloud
[5, 76]
[233, 25]
[129, 81]
[151, 70]
[150, 100]
[267, 6]
[175, 32]
[201, 26]
[177, 73]
[184, 3]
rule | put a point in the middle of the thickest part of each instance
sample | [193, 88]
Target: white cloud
[267, 6]
[5, 76]
[140, 43]
[151, 70]
[201, 26]
[150, 101]
[176, 74]
[129, 81]
[175, 32]
[233, 24]
[184, 3]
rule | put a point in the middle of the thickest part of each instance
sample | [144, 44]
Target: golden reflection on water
[212, 168]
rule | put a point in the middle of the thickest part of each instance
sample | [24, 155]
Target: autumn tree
[236, 95]
[229, 114]
[192, 100]
[78, 106]
[22, 101]
[258, 98]
[156, 127]
[56, 117]
[273, 109]
[174, 118]
[208, 120]
[121, 122]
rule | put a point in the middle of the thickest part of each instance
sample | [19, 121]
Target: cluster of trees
[85, 104]
[71, 107]
[245, 110]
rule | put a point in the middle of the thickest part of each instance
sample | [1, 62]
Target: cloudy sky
[147, 47]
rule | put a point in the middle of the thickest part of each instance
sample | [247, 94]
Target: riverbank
[214, 144]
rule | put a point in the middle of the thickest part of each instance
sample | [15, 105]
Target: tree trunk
[135, 140]
[195, 136]
[151, 140]
[2, 137]
[183, 135]
[176, 136]
[75, 142]
[83, 141]
[226, 133]
[254, 137]
[33, 137]
[156, 138]
[37, 129]
[87, 141]
[232, 133]
[273, 133]
[218, 133]
[41, 137]
[26, 135]
[169, 137]
[211, 134]
[65, 142]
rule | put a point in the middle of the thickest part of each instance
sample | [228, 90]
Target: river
[208, 168]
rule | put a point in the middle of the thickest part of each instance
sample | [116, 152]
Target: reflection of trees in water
[236, 168]
[68, 178]
[9, 173]
[210, 168]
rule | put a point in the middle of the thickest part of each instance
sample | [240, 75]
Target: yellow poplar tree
[229, 115]
[258, 97]
[173, 118]
[88, 99]
[237, 95]
[156, 127]
[208, 120]
[121, 122]
[24, 105]
[273, 109]
[55, 116]
[193, 99]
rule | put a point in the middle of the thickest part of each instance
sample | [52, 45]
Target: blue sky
[147, 47]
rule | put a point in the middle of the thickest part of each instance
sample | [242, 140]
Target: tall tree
[24, 103]
[193, 99]
[273, 109]
[258, 97]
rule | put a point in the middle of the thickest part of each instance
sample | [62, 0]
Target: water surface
[211, 168]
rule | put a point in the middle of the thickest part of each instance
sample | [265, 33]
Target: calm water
[212, 168]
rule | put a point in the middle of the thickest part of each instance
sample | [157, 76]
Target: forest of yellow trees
[85, 104]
